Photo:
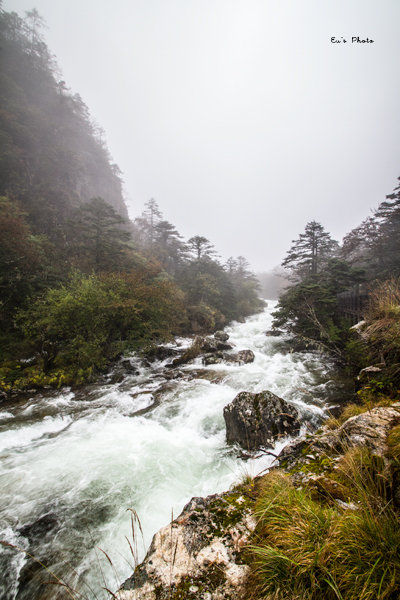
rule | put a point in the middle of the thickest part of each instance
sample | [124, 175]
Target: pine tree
[310, 251]
[99, 236]
[388, 242]
[201, 247]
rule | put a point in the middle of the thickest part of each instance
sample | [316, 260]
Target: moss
[189, 588]
[228, 510]
[316, 466]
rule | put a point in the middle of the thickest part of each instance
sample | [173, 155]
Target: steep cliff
[52, 156]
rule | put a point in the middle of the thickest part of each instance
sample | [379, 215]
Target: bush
[84, 324]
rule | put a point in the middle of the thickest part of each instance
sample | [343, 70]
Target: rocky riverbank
[203, 553]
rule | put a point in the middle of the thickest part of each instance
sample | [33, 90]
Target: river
[73, 464]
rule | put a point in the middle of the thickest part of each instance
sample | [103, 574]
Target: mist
[242, 119]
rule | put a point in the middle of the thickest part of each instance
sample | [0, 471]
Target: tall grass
[310, 548]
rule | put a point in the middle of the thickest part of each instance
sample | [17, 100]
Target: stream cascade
[76, 464]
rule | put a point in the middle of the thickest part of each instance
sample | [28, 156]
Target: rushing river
[72, 465]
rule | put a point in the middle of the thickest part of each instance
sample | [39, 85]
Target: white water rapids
[73, 464]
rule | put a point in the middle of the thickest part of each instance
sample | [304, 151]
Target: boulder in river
[222, 336]
[213, 358]
[256, 420]
[243, 357]
[214, 345]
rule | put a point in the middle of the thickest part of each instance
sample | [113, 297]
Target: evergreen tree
[99, 237]
[309, 252]
[147, 223]
[358, 244]
[387, 246]
[201, 247]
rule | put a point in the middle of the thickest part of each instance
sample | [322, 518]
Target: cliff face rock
[255, 420]
[200, 554]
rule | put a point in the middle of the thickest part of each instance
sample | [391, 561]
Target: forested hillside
[79, 282]
[366, 267]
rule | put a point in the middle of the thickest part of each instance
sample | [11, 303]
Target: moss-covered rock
[200, 554]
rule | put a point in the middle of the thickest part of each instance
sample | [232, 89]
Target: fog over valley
[242, 119]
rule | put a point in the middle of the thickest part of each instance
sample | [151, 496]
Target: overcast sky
[240, 117]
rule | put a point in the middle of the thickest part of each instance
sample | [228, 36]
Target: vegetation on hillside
[320, 271]
[79, 282]
[334, 533]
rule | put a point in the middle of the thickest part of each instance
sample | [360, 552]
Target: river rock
[162, 352]
[199, 555]
[190, 353]
[242, 357]
[212, 358]
[256, 420]
[222, 336]
[214, 345]
[128, 367]
[41, 527]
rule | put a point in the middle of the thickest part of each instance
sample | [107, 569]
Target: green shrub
[79, 327]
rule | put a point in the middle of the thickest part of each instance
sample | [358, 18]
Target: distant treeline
[79, 282]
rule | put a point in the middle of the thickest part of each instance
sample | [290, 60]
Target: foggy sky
[240, 117]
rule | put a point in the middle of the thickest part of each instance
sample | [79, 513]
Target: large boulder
[258, 420]
[214, 345]
[199, 556]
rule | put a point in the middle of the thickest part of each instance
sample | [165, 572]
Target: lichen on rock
[200, 554]
[258, 420]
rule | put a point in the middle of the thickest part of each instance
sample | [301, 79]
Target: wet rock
[162, 352]
[258, 420]
[173, 374]
[245, 356]
[224, 346]
[200, 550]
[221, 336]
[212, 359]
[209, 345]
[192, 352]
[40, 528]
[242, 357]
[128, 367]
[117, 377]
